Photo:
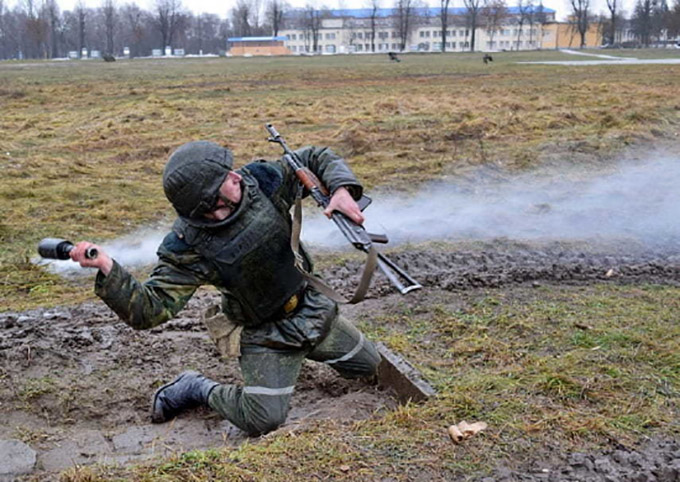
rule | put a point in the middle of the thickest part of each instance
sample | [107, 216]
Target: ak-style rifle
[355, 233]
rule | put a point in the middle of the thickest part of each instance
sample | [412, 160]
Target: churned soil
[75, 382]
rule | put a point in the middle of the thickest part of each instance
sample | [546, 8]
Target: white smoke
[637, 201]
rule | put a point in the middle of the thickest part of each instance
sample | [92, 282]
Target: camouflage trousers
[262, 404]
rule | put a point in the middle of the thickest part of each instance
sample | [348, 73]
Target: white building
[349, 31]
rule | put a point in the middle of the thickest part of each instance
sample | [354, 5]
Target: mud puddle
[75, 382]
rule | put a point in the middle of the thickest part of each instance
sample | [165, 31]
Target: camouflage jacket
[181, 269]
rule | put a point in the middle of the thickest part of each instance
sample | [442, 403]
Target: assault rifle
[355, 233]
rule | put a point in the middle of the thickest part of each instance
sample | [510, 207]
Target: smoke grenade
[55, 248]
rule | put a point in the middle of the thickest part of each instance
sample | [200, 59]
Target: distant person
[393, 57]
[233, 232]
[487, 58]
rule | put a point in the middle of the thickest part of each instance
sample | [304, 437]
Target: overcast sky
[221, 7]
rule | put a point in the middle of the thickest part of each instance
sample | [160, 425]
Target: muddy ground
[75, 382]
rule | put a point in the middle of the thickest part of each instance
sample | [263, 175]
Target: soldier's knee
[264, 423]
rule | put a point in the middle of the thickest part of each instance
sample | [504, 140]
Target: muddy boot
[189, 389]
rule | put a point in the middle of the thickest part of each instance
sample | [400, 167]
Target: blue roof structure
[421, 11]
[256, 39]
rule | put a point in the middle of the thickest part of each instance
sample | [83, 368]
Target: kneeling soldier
[233, 231]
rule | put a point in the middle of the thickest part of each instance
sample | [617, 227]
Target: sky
[221, 7]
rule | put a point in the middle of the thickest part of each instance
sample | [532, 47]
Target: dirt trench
[75, 382]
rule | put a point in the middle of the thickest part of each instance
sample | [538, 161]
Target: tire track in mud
[505, 263]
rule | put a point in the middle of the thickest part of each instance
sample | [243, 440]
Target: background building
[246, 46]
[386, 30]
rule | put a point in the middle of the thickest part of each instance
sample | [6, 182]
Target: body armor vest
[252, 254]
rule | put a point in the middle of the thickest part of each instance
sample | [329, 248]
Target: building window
[330, 49]
[452, 33]
[394, 34]
[360, 35]
[330, 36]
[359, 47]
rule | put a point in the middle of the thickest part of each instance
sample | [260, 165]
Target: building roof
[256, 39]
[421, 11]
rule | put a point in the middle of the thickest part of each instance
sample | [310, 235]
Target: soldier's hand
[343, 201]
[103, 261]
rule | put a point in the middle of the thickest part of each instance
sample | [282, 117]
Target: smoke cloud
[636, 201]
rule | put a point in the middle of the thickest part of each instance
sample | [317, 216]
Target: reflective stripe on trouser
[262, 404]
[346, 350]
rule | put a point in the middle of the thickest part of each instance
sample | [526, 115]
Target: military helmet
[193, 175]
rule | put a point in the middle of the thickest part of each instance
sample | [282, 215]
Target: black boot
[189, 389]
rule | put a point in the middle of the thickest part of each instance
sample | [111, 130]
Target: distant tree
[51, 11]
[473, 7]
[241, 17]
[373, 6]
[81, 17]
[404, 19]
[494, 13]
[312, 26]
[444, 18]
[133, 20]
[168, 17]
[613, 7]
[674, 20]
[524, 8]
[641, 21]
[580, 18]
[275, 15]
[110, 15]
[660, 19]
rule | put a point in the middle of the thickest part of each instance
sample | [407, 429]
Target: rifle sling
[318, 284]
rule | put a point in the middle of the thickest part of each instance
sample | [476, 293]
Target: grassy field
[83, 145]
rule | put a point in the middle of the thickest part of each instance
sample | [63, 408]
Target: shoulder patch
[268, 177]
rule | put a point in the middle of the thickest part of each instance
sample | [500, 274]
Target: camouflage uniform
[249, 260]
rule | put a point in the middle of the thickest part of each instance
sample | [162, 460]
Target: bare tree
[373, 6]
[444, 17]
[110, 14]
[53, 18]
[641, 21]
[241, 17]
[674, 20]
[275, 12]
[168, 19]
[312, 26]
[613, 6]
[473, 7]
[81, 16]
[524, 9]
[404, 18]
[494, 14]
[580, 12]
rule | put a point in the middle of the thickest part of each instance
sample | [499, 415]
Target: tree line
[39, 29]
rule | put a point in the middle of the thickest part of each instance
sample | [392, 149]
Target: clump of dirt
[656, 460]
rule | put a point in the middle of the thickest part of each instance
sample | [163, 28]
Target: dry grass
[84, 143]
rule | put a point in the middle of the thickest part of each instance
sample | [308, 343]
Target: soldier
[233, 231]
